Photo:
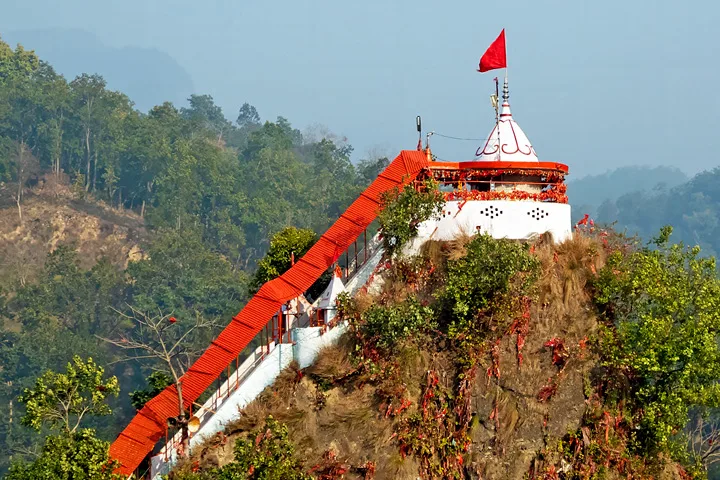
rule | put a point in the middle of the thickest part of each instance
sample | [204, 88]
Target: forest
[210, 193]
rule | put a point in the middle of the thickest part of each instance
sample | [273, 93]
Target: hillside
[52, 216]
[530, 387]
[588, 193]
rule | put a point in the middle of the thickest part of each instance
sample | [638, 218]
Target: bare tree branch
[162, 338]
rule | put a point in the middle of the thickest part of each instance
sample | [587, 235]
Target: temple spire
[506, 142]
[505, 111]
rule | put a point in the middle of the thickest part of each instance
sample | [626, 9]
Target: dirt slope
[51, 217]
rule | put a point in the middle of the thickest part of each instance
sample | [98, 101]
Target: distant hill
[692, 208]
[588, 193]
[148, 76]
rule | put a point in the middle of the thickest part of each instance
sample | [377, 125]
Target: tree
[63, 399]
[157, 382]
[159, 338]
[204, 115]
[88, 91]
[248, 116]
[664, 303]
[77, 455]
[403, 210]
[369, 169]
[20, 101]
[181, 274]
[284, 245]
[703, 437]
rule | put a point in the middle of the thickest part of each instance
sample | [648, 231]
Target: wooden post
[366, 250]
[356, 260]
[347, 263]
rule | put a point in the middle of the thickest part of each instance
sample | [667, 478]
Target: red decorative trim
[517, 150]
[550, 196]
[542, 177]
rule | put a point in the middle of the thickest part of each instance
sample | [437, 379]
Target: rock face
[514, 421]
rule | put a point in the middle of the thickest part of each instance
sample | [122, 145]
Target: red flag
[495, 56]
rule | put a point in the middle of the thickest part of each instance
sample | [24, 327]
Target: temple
[506, 192]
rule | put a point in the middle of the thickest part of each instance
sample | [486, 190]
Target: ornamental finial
[505, 111]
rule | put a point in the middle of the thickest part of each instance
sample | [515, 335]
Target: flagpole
[497, 115]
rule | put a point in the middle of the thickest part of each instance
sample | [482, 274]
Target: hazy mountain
[148, 76]
[588, 193]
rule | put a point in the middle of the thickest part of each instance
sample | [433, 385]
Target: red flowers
[554, 195]
[172, 319]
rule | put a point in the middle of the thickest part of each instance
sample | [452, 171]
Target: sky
[595, 85]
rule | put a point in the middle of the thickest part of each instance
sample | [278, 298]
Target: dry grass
[439, 252]
[276, 400]
[350, 419]
[333, 362]
[567, 269]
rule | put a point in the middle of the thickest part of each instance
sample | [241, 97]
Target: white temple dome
[507, 142]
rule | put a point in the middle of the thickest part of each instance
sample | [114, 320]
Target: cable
[458, 138]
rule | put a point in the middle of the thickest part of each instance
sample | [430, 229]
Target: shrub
[484, 272]
[386, 325]
[402, 211]
[266, 454]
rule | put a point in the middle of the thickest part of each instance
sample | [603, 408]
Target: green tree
[182, 275]
[157, 382]
[665, 305]
[20, 102]
[205, 116]
[63, 399]
[88, 93]
[77, 455]
[403, 210]
[248, 116]
[284, 245]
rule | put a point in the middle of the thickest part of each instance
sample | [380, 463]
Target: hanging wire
[459, 138]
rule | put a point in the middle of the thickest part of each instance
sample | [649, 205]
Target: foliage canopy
[665, 305]
[403, 210]
[63, 399]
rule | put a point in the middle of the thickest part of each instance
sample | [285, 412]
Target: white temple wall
[309, 341]
[515, 220]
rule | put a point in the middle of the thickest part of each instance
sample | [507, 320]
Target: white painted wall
[500, 218]
[259, 371]
[260, 378]
[309, 341]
